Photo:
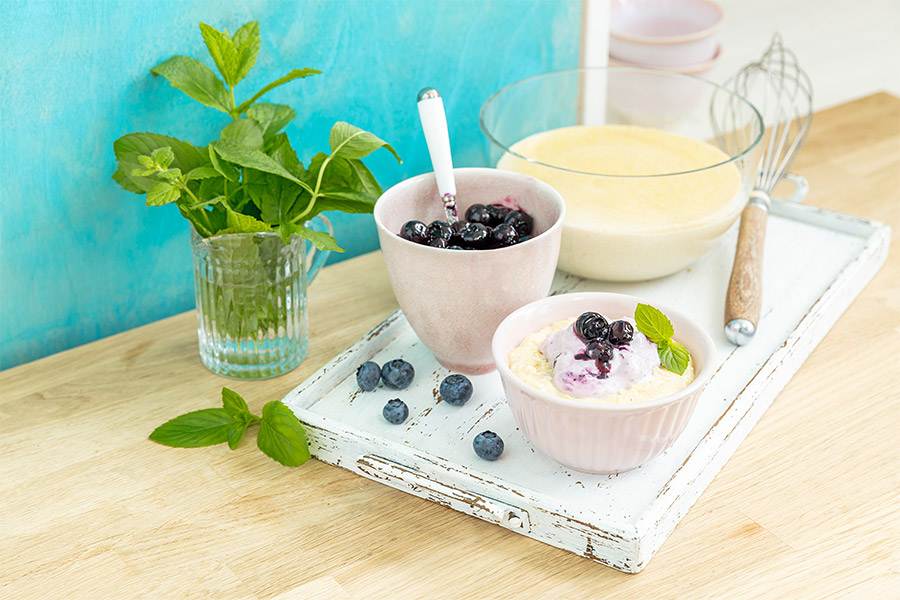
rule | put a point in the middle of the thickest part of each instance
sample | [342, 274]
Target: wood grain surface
[807, 507]
[743, 300]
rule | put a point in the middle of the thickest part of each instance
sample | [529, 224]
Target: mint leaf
[198, 428]
[244, 132]
[223, 52]
[236, 432]
[363, 179]
[653, 323]
[162, 193]
[196, 80]
[248, 157]
[129, 148]
[281, 435]
[201, 173]
[277, 198]
[246, 41]
[233, 403]
[236, 222]
[271, 117]
[163, 156]
[226, 170]
[294, 74]
[349, 141]
[320, 239]
[673, 356]
[282, 153]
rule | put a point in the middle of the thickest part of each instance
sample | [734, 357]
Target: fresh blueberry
[599, 351]
[456, 389]
[368, 375]
[397, 374]
[621, 333]
[474, 236]
[504, 235]
[439, 229]
[521, 220]
[591, 326]
[488, 445]
[477, 213]
[437, 243]
[496, 213]
[395, 411]
[414, 231]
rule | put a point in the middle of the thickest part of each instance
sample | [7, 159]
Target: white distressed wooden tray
[816, 263]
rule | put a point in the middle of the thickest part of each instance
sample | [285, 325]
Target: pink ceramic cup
[454, 299]
[599, 438]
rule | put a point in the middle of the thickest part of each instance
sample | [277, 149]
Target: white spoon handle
[434, 123]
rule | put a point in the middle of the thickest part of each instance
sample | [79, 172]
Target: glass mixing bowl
[648, 197]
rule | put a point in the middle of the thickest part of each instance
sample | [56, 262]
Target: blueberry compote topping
[620, 333]
[600, 337]
[484, 228]
[521, 220]
[591, 326]
[415, 231]
[439, 230]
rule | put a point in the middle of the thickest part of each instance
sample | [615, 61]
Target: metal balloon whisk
[782, 92]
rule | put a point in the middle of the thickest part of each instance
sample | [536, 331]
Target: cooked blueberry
[397, 374]
[488, 445]
[599, 351]
[504, 235]
[496, 213]
[414, 231]
[368, 375]
[524, 238]
[521, 220]
[475, 236]
[456, 389]
[477, 213]
[395, 411]
[455, 247]
[604, 368]
[438, 243]
[439, 229]
[591, 326]
[620, 333]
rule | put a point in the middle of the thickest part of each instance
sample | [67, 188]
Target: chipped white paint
[816, 263]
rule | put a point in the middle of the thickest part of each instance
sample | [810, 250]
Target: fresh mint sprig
[281, 435]
[250, 179]
[658, 328]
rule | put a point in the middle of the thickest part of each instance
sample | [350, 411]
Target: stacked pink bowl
[676, 35]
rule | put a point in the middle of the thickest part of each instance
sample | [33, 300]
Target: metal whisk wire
[782, 92]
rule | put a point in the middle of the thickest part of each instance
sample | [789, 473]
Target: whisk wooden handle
[743, 301]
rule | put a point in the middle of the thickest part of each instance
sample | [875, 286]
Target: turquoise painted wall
[81, 259]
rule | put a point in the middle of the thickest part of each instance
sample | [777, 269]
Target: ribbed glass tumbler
[251, 301]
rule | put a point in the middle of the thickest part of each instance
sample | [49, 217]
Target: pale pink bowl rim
[673, 39]
[485, 171]
[707, 344]
[694, 69]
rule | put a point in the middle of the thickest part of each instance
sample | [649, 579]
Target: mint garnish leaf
[658, 328]
[653, 323]
[281, 435]
[205, 427]
[673, 356]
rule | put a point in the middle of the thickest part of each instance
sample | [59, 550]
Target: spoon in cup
[434, 124]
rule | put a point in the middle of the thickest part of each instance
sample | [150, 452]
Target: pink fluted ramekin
[454, 299]
[599, 438]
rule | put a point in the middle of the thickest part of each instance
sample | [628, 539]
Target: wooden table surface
[808, 507]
